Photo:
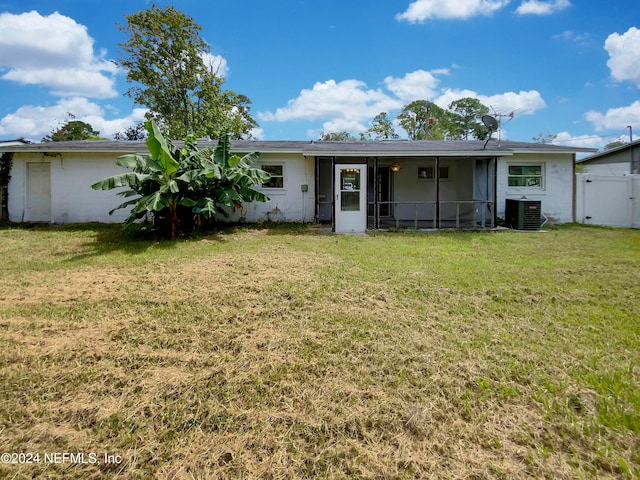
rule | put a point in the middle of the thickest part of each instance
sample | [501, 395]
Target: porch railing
[476, 214]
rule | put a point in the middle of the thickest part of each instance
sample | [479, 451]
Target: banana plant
[180, 186]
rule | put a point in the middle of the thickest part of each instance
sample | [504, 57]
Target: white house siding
[72, 198]
[556, 193]
[289, 204]
[74, 201]
[604, 168]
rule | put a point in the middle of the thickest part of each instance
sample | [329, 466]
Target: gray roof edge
[608, 152]
[381, 148]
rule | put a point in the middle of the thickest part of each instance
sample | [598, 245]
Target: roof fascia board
[404, 153]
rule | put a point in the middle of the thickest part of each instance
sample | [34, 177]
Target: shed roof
[380, 148]
[602, 156]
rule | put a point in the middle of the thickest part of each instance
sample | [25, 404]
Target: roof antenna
[492, 124]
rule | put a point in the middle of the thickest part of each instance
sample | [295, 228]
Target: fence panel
[608, 200]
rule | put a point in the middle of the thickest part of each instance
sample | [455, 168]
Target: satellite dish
[492, 124]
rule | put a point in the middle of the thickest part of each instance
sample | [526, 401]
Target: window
[428, 173]
[525, 176]
[425, 173]
[277, 176]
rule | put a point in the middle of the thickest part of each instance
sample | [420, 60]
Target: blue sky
[567, 67]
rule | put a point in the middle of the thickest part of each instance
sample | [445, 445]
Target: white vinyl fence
[608, 200]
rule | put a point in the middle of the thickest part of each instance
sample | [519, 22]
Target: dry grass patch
[284, 353]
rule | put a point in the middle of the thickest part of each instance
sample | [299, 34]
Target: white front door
[38, 192]
[351, 198]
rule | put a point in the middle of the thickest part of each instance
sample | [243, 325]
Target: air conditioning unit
[523, 214]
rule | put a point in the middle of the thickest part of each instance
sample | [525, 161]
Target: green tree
[423, 120]
[6, 162]
[343, 136]
[381, 128]
[164, 57]
[181, 186]
[73, 130]
[465, 119]
[545, 137]
[615, 144]
[132, 132]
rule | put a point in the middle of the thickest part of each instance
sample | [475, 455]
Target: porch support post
[494, 216]
[376, 186]
[317, 188]
[333, 194]
[437, 174]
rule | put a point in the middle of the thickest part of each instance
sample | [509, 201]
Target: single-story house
[352, 186]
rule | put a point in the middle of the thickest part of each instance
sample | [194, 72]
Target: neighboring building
[8, 143]
[623, 160]
[608, 188]
[349, 185]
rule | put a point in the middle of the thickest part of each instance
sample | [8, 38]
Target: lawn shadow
[106, 238]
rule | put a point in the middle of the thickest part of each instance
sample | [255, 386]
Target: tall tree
[466, 119]
[545, 137]
[382, 128]
[343, 136]
[132, 132]
[164, 57]
[73, 130]
[423, 120]
[614, 144]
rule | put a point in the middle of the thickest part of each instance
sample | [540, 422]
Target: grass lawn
[289, 353]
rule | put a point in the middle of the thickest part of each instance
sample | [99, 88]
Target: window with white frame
[277, 176]
[526, 176]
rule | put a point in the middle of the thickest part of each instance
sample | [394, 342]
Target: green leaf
[124, 205]
[233, 161]
[206, 206]
[128, 179]
[190, 176]
[173, 186]
[161, 151]
[155, 202]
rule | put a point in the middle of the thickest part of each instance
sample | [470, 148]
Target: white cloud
[521, 103]
[349, 100]
[583, 141]
[66, 82]
[539, 7]
[39, 121]
[570, 36]
[421, 10]
[415, 85]
[56, 52]
[217, 63]
[349, 105]
[615, 118]
[624, 55]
